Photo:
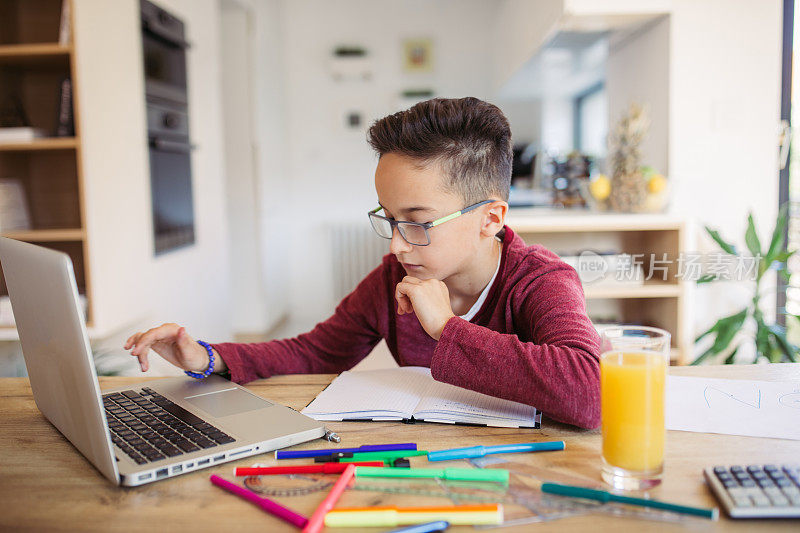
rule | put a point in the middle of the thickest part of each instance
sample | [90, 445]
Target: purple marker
[300, 454]
[266, 504]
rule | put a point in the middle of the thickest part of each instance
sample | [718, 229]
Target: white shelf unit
[664, 301]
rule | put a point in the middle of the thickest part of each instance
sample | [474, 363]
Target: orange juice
[632, 406]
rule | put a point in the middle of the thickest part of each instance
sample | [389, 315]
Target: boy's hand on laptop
[429, 299]
[171, 342]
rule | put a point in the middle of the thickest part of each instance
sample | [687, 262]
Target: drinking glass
[633, 371]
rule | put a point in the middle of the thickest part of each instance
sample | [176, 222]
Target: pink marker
[318, 518]
[266, 504]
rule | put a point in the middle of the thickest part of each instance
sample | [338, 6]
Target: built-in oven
[167, 128]
[164, 54]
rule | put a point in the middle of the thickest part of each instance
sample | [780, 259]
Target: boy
[459, 292]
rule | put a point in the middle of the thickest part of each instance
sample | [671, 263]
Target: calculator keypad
[773, 489]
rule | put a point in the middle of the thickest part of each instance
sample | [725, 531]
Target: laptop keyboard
[148, 427]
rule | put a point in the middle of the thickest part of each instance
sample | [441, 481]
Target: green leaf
[786, 348]
[702, 357]
[786, 275]
[722, 322]
[725, 329]
[728, 330]
[731, 359]
[706, 278]
[775, 354]
[751, 237]
[708, 331]
[778, 238]
[729, 248]
[762, 339]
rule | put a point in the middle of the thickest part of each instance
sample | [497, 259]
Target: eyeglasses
[415, 233]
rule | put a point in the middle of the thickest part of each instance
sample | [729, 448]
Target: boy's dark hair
[469, 138]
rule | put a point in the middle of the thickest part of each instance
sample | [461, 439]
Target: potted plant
[770, 340]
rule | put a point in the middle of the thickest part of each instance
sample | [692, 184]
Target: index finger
[153, 335]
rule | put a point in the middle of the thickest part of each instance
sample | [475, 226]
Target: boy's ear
[495, 218]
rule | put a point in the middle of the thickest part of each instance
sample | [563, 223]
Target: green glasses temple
[428, 225]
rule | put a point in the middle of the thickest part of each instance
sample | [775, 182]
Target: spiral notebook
[411, 394]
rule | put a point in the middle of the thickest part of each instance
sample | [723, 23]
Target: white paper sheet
[374, 393]
[734, 407]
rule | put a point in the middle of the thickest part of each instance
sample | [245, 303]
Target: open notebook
[409, 394]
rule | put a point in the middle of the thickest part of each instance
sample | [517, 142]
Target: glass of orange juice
[633, 372]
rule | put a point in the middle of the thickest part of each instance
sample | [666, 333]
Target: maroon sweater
[530, 342]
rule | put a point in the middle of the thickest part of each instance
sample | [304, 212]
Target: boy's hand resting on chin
[429, 299]
[171, 342]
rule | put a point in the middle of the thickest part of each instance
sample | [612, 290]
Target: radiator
[355, 250]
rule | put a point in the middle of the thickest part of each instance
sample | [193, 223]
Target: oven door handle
[171, 146]
[158, 31]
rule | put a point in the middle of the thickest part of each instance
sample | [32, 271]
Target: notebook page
[443, 401]
[390, 393]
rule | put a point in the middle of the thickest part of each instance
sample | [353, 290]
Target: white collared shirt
[482, 298]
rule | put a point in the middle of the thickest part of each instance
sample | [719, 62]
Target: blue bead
[211, 362]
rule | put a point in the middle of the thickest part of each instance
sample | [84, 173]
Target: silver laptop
[138, 434]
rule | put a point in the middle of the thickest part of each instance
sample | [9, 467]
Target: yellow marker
[465, 515]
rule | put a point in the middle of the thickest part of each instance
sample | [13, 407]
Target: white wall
[331, 169]
[520, 28]
[273, 161]
[524, 117]
[112, 125]
[243, 203]
[259, 209]
[557, 125]
[255, 146]
[638, 70]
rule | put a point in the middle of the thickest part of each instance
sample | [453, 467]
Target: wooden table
[46, 485]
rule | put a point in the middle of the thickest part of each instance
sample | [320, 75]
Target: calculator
[768, 491]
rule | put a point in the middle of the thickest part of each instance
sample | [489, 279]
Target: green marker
[359, 457]
[462, 474]
[605, 497]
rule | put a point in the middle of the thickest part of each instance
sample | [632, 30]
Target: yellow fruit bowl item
[656, 184]
[597, 191]
[600, 188]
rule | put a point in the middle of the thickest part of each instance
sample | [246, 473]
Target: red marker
[324, 468]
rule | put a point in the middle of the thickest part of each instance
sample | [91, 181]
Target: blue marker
[365, 448]
[480, 451]
[439, 525]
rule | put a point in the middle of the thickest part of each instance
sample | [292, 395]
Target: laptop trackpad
[227, 402]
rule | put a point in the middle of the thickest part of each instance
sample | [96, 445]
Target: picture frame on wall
[418, 55]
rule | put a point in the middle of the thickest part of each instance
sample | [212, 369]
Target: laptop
[140, 433]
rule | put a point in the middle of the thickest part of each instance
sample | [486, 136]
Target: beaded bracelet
[210, 369]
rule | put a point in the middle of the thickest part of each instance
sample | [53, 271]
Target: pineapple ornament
[628, 185]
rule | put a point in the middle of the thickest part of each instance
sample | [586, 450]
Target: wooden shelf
[656, 241]
[44, 143]
[535, 220]
[44, 54]
[647, 290]
[46, 235]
